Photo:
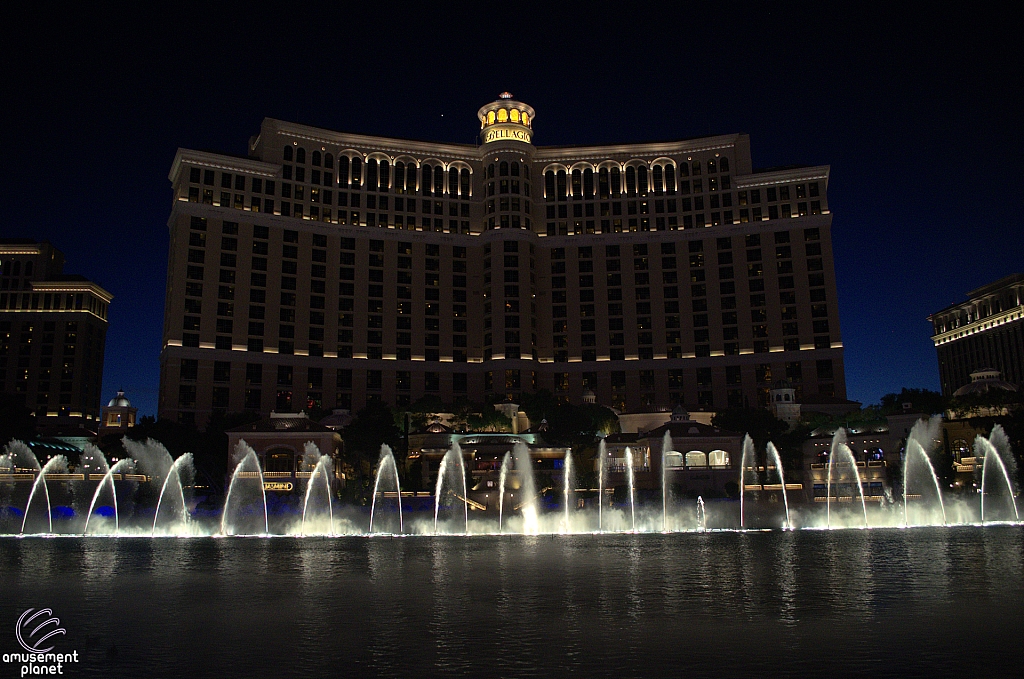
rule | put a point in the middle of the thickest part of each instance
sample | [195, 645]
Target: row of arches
[611, 180]
[697, 458]
[376, 174]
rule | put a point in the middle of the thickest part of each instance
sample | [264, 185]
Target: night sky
[911, 108]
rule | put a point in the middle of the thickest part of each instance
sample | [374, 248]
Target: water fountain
[630, 480]
[119, 469]
[773, 456]
[56, 465]
[567, 489]
[386, 466]
[246, 511]
[318, 494]
[451, 464]
[917, 464]
[748, 455]
[178, 514]
[502, 477]
[988, 449]
[666, 445]
[527, 489]
[601, 455]
[243, 492]
[841, 449]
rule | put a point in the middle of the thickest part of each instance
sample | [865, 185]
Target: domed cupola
[506, 119]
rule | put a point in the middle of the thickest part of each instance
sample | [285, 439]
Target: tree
[761, 424]
[372, 426]
[921, 400]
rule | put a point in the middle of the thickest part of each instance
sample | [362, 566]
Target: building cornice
[627, 151]
[221, 162]
[787, 176]
[390, 145]
[988, 323]
[72, 286]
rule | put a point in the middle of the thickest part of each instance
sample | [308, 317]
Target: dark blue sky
[913, 109]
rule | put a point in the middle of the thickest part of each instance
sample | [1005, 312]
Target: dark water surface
[922, 602]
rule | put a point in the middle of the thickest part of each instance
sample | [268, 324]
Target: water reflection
[607, 605]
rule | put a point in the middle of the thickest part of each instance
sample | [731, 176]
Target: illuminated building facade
[328, 269]
[53, 327]
[986, 331]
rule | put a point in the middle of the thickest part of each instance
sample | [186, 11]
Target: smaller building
[279, 442]
[878, 448]
[118, 416]
[702, 461]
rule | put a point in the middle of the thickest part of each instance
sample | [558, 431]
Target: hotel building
[53, 327]
[327, 269]
[985, 332]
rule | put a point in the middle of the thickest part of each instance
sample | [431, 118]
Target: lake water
[887, 602]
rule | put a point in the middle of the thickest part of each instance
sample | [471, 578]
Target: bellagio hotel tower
[329, 269]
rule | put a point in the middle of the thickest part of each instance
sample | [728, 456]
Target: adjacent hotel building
[327, 269]
[985, 334]
[53, 328]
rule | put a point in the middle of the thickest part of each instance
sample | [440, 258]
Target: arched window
[602, 183]
[328, 161]
[385, 175]
[641, 180]
[670, 180]
[684, 170]
[503, 168]
[723, 165]
[426, 180]
[453, 181]
[399, 177]
[438, 181]
[696, 167]
[657, 178]
[357, 171]
[300, 155]
[616, 182]
[514, 115]
[502, 115]
[343, 170]
[526, 172]
[711, 165]
[526, 118]
[371, 174]
[549, 185]
[631, 181]
[515, 169]
[288, 155]
[490, 117]
[588, 183]
[464, 176]
[560, 189]
[410, 178]
[17, 268]
[490, 171]
[317, 158]
[577, 184]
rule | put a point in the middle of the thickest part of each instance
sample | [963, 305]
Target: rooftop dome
[506, 119]
[119, 401]
[982, 381]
